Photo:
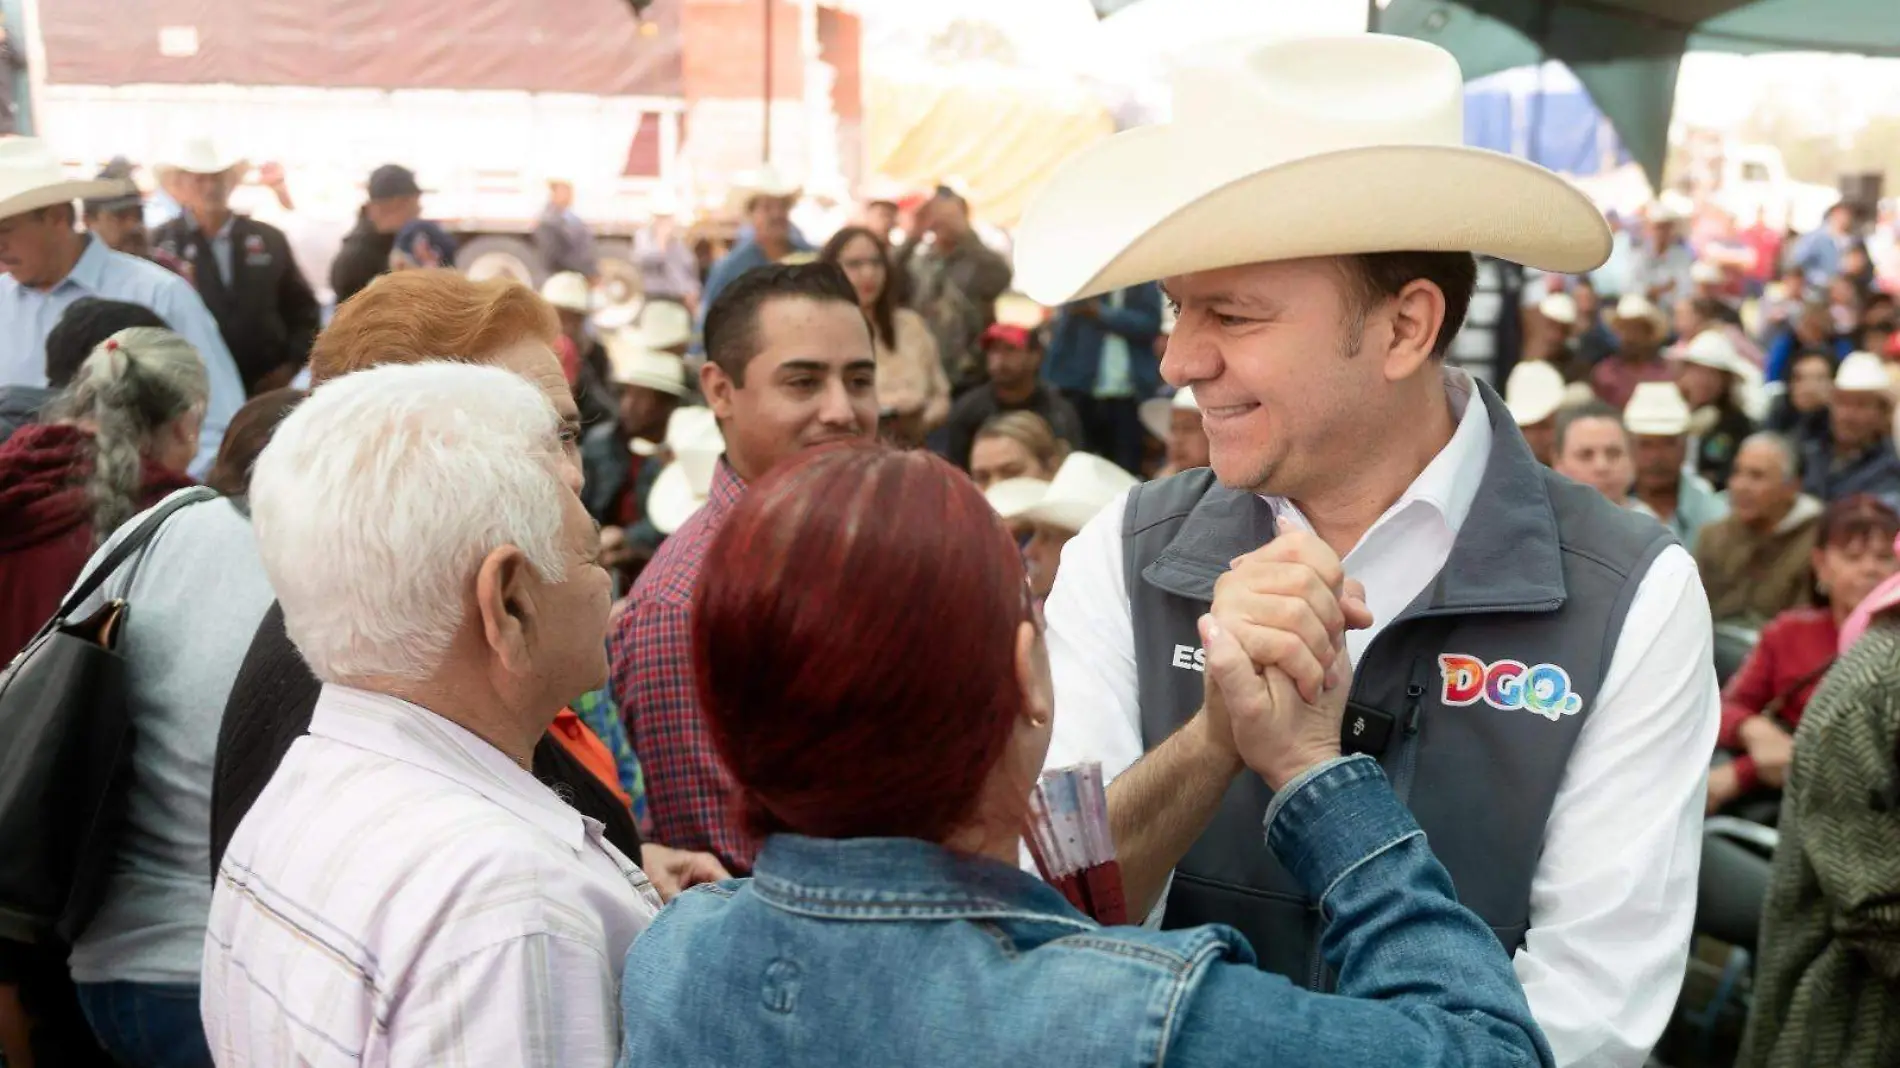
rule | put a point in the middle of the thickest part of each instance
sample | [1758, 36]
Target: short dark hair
[1377, 276]
[731, 335]
[86, 322]
[1595, 409]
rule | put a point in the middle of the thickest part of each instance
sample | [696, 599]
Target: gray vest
[1472, 697]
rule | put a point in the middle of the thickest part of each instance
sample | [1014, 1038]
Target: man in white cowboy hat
[581, 352]
[1053, 511]
[49, 265]
[955, 279]
[1819, 254]
[1720, 386]
[1640, 328]
[1176, 423]
[562, 236]
[617, 457]
[1532, 666]
[1012, 358]
[764, 197]
[242, 268]
[1856, 454]
[668, 268]
[1662, 263]
[1533, 394]
[1658, 421]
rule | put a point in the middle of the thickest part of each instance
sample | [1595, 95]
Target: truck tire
[502, 256]
[619, 277]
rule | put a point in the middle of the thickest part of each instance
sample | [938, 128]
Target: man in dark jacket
[395, 200]
[565, 242]
[1013, 357]
[1102, 358]
[1857, 454]
[242, 268]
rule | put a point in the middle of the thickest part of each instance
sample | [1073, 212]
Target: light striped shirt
[404, 894]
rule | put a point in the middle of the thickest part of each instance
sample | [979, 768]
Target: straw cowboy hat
[1656, 409]
[683, 488]
[1559, 308]
[1084, 485]
[1319, 147]
[766, 181]
[31, 178]
[1712, 348]
[568, 291]
[1635, 307]
[1534, 392]
[1157, 413]
[1863, 372]
[199, 155]
[639, 355]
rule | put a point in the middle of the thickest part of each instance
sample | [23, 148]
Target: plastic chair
[1737, 858]
[1733, 643]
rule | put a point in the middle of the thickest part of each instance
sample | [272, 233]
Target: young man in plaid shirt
[790, 366]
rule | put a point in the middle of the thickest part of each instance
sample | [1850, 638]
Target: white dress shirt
[404, 894]
[1613, 896]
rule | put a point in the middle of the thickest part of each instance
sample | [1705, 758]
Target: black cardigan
[270, 707]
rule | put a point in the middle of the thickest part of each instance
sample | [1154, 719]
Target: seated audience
[1827, 977]
[1755, 564]
[405, 891]
[888, 921]
[115, 442]
[1811, 330]
[1593, 448]
[1533, 393]
[1763, 704]
[1856, 455]
[1800, 413]
[913, 393]
[1658, 421]
[1013, 355]
[200, 590]
[1713, 376]
[1015, 445]
[650, 381]
[1176, 423]
[81, 327]
[1640, 329]
[1055, 510]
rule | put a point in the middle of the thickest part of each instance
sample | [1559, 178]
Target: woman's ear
[507, 610]
[1032, 675]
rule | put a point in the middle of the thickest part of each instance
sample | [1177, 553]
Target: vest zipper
[1408, 741]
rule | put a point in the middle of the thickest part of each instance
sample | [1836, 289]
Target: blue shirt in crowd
[898, 951]
[744, 256]
[27, 315]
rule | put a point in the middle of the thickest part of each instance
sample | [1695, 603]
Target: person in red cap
[1012, 353]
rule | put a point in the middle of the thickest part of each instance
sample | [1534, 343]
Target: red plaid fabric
[689, 794]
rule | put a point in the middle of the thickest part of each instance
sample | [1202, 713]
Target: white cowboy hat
[199, 155]
[1157, 413]
[633, 364]
[1636, 306]
[1559, 308]
[568, 291]
[664, 324]
[766, 181]
[1712, 348]
[1014, 496]
[686, 483]
[1534, 392]
[1318, 147]
[1671, 207]
[1707, 273]
[1656, 409]
[1084, 485]
[1863, 372]
[31, 178]
[1015, 309]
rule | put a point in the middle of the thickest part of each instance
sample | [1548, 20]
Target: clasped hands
[1277, 674]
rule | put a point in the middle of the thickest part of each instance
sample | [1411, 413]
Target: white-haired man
[405, 891]
[1532, 666]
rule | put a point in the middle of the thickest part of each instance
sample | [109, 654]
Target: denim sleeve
[1422, 980]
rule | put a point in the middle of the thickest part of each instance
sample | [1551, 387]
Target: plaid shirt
[689, 794]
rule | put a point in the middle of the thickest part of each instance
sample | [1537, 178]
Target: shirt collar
[392, 727]
[191, 223]
[727, 486]
[1449, 483]
[89, 270]
[900, 878]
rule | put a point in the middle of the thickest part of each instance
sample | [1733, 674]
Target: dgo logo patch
[1508, 685]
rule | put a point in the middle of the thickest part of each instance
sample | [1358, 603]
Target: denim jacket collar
[901, 879]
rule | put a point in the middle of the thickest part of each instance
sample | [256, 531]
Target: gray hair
[1790, 456]
[135, 383]
[1595, 409]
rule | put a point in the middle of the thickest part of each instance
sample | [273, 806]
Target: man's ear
[717, 386]
[506, 604]
[1418, 314]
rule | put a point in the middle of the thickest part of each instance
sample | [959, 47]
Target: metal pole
[1372, 16]
[765, 147]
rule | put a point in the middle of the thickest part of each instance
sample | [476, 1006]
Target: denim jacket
[897, 951]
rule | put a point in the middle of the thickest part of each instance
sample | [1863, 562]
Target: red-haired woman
[1762, 704]
[885, 732]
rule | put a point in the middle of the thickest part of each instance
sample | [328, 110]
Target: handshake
[1277, 675]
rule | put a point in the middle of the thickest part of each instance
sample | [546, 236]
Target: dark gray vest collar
[1506, 557]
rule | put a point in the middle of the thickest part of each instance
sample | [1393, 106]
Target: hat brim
[1526, 413]
[163, 171]
[738, 199]
[671, 501]
[1164, 200]
[1070, 515]
[652, 382]
[47, 196]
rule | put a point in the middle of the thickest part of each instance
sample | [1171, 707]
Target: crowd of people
[548, 682]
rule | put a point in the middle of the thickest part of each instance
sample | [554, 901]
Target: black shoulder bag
[65, 748]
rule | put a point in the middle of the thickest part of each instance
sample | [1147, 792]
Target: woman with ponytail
[114, 443]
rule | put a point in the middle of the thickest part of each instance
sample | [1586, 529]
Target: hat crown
[1863, 372]
[25, 162]
[1328, 93]
[664, 324]
[567, 289]
[1087, 480]
[1657, 408]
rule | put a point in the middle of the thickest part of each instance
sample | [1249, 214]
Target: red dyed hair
[854, 642]
[1852, 518]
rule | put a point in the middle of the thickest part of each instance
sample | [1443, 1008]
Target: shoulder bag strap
[127, 546]
[1772, 710]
